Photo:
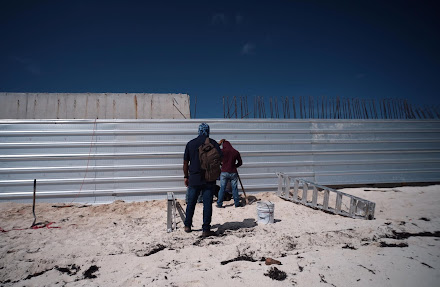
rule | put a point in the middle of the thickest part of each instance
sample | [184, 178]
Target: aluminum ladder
[324, 198]
[172, 208]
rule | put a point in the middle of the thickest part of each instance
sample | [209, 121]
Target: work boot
[208, 233]
[187, 229]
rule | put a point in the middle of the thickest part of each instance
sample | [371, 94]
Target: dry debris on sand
[127, 244]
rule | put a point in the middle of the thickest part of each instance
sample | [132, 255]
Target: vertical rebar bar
[293, 107]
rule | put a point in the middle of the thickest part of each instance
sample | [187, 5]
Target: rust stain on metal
[58, 109]
[97, 108]
[35, 106]
[151, 108]
[26, 106]
[114, 108]
[135, 106]
[74, 108]
[87, 103]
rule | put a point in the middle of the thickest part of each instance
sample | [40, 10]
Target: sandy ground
[127, 244]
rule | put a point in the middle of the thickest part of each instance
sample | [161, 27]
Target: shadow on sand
[235, 225]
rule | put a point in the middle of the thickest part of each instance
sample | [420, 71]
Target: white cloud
[248, 49]
[219, 19]
[238, 19]
[29, 65]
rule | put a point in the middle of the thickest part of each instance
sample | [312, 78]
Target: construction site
[352, 186]
[102, 147]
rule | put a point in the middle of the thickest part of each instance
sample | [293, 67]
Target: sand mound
[126, 244]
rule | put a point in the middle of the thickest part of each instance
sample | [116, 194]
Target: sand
[127, 244]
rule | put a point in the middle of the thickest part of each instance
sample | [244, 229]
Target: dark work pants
[193, 193]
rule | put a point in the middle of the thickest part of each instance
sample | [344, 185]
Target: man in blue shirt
[194, 180]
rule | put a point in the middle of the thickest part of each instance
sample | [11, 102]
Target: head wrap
[204, 129]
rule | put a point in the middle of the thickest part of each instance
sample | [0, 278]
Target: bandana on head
[204, 129]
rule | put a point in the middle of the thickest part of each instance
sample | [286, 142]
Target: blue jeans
[207, 191]
[199, 199]
[224, 177]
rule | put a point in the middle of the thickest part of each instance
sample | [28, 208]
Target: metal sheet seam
[177, 166]
[18, 145]
[144, 157]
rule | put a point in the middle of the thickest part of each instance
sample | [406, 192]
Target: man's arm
[217, 146]
[240, 162]
[185, 172]
[186, 158]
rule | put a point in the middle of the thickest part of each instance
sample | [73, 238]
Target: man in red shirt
[231, 160]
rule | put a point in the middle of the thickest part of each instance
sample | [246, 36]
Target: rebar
[324, 107]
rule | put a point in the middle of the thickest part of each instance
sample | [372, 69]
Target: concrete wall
[94, 106]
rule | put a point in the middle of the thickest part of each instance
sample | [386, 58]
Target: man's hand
[185, 171]
[221, 141]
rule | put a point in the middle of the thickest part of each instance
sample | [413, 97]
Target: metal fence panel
[103, 160]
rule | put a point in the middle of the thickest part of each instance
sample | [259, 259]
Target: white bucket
[265, 212]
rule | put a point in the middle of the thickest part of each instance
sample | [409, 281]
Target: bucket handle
[268, 218]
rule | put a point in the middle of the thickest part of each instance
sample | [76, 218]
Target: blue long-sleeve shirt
[192, 156]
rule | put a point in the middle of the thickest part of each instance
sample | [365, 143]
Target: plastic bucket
[265, 212]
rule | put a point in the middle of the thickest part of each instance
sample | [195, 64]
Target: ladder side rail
[174, 212]
[287, 186]
[353, 203]
[295, 189]
[326, 199]
[338, 202]
[315, 196]
[169, 212]
[304, 194]
[280, 184]
[371, 206]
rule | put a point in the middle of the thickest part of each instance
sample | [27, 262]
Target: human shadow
[235, 225]
[249, 200]
[252, 199]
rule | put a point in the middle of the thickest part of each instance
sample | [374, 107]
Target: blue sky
[212, 49]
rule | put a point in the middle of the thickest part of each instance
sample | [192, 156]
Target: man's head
[204, 129]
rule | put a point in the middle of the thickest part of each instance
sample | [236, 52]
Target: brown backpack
[210, 161]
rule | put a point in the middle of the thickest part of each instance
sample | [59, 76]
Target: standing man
[231, 160]
[194, 180]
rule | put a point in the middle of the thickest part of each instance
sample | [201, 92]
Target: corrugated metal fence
[103, 160]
